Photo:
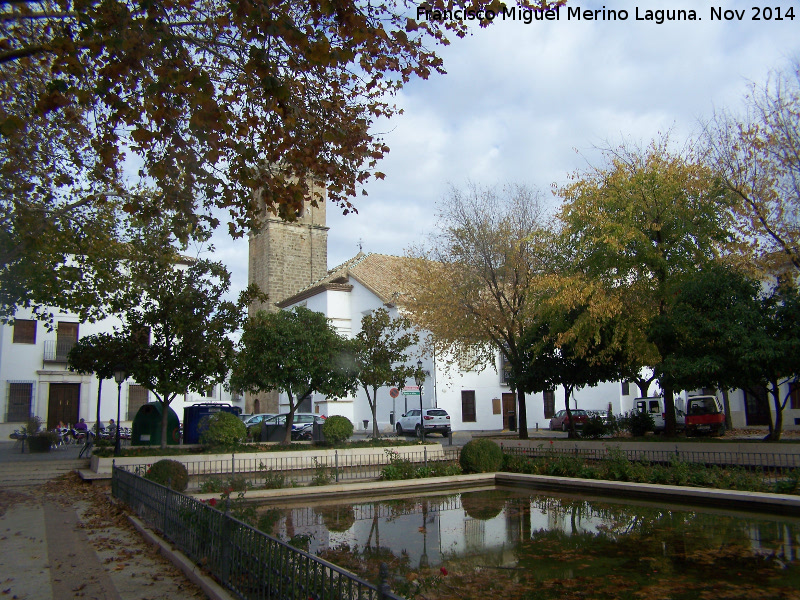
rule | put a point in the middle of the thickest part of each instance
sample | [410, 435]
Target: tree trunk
[670, 426]
[287, 436]
[373, 405]
[726, 404]
[775, 392]
[164, 421]
[522, 410]
[97, 422]
[567, 393]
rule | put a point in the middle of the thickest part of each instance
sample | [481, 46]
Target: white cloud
[518, 100]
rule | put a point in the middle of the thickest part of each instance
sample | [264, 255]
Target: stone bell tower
[284, 258]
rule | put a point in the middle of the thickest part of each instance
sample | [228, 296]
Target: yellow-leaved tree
[644, 220]
[472, 286]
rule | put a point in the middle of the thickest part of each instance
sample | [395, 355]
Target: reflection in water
[524, 540]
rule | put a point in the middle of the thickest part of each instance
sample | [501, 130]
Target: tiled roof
[380, 273]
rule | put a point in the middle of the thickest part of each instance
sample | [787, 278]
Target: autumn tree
[645, 219]
[757, 157]
[297, 352]
[471, 285]
[228, 108]
[576, 338]
[381, 357]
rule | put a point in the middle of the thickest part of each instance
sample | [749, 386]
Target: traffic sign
[394, 392]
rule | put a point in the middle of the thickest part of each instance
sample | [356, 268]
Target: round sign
[394, 392]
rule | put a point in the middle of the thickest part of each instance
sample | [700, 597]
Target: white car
[435, 420]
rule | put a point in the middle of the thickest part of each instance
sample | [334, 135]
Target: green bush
[481, 456]
[640, 422]
[223, 430]
[594, 428]
[337, 429]
[170, 473]
[398, 468]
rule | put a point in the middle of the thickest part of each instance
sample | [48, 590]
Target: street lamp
[419, 379]
[120, 375]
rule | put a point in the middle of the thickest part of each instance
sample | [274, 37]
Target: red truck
[704, 414]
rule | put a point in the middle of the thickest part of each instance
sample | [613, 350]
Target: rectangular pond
[513, 544]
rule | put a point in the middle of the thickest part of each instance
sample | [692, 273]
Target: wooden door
[510, 411]
[63, 404]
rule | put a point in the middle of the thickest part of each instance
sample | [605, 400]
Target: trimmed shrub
[594, 428]
[222, 429]
[337, 429]
[170, 473]
[481, 456]
[640, 422]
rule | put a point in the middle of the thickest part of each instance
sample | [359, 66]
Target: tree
[648, 218]
[471, 288]
[297, 352]
[178, 319]
[724, 330]
[758, 160]
[99, 354]
[230, 108]
[380, 352]
[573, 342]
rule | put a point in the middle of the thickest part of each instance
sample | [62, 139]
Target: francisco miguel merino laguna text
[576, 13]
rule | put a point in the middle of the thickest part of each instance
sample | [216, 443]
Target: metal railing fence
[248, 562]
[335, 468]
[773, 465]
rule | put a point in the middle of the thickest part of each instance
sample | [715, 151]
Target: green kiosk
[146, 430]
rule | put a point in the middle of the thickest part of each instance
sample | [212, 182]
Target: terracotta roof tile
[380, 273]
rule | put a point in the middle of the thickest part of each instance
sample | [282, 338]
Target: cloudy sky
[529, 103]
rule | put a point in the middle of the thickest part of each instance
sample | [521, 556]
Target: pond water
[513, 544]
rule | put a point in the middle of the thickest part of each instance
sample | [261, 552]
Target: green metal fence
[248, 562]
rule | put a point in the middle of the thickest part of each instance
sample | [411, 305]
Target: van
[657, 409]
[704, 414]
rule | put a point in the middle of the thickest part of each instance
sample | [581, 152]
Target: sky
[532, 103]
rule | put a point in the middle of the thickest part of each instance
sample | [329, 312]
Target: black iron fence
[302, 470]
[248, 562]
[773, 465]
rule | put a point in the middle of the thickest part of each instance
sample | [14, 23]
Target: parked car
[600, 414]
[704, 414]
[657, 409]
[435, 420]
[560, 420]
[257, 418]
[301, 421]
[245, 416]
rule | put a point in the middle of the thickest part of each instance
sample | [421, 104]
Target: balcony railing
[56, 351]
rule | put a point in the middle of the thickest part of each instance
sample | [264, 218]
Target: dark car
[561, 419]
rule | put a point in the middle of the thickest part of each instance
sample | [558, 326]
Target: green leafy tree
[176, 312]
[381, 355]
[571, 345]
[99, 354]
[296, 352]
[648, 218]
[722, 329]
[472, 287]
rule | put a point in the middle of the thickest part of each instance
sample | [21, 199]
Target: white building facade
[475, 400]
[36, 382]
